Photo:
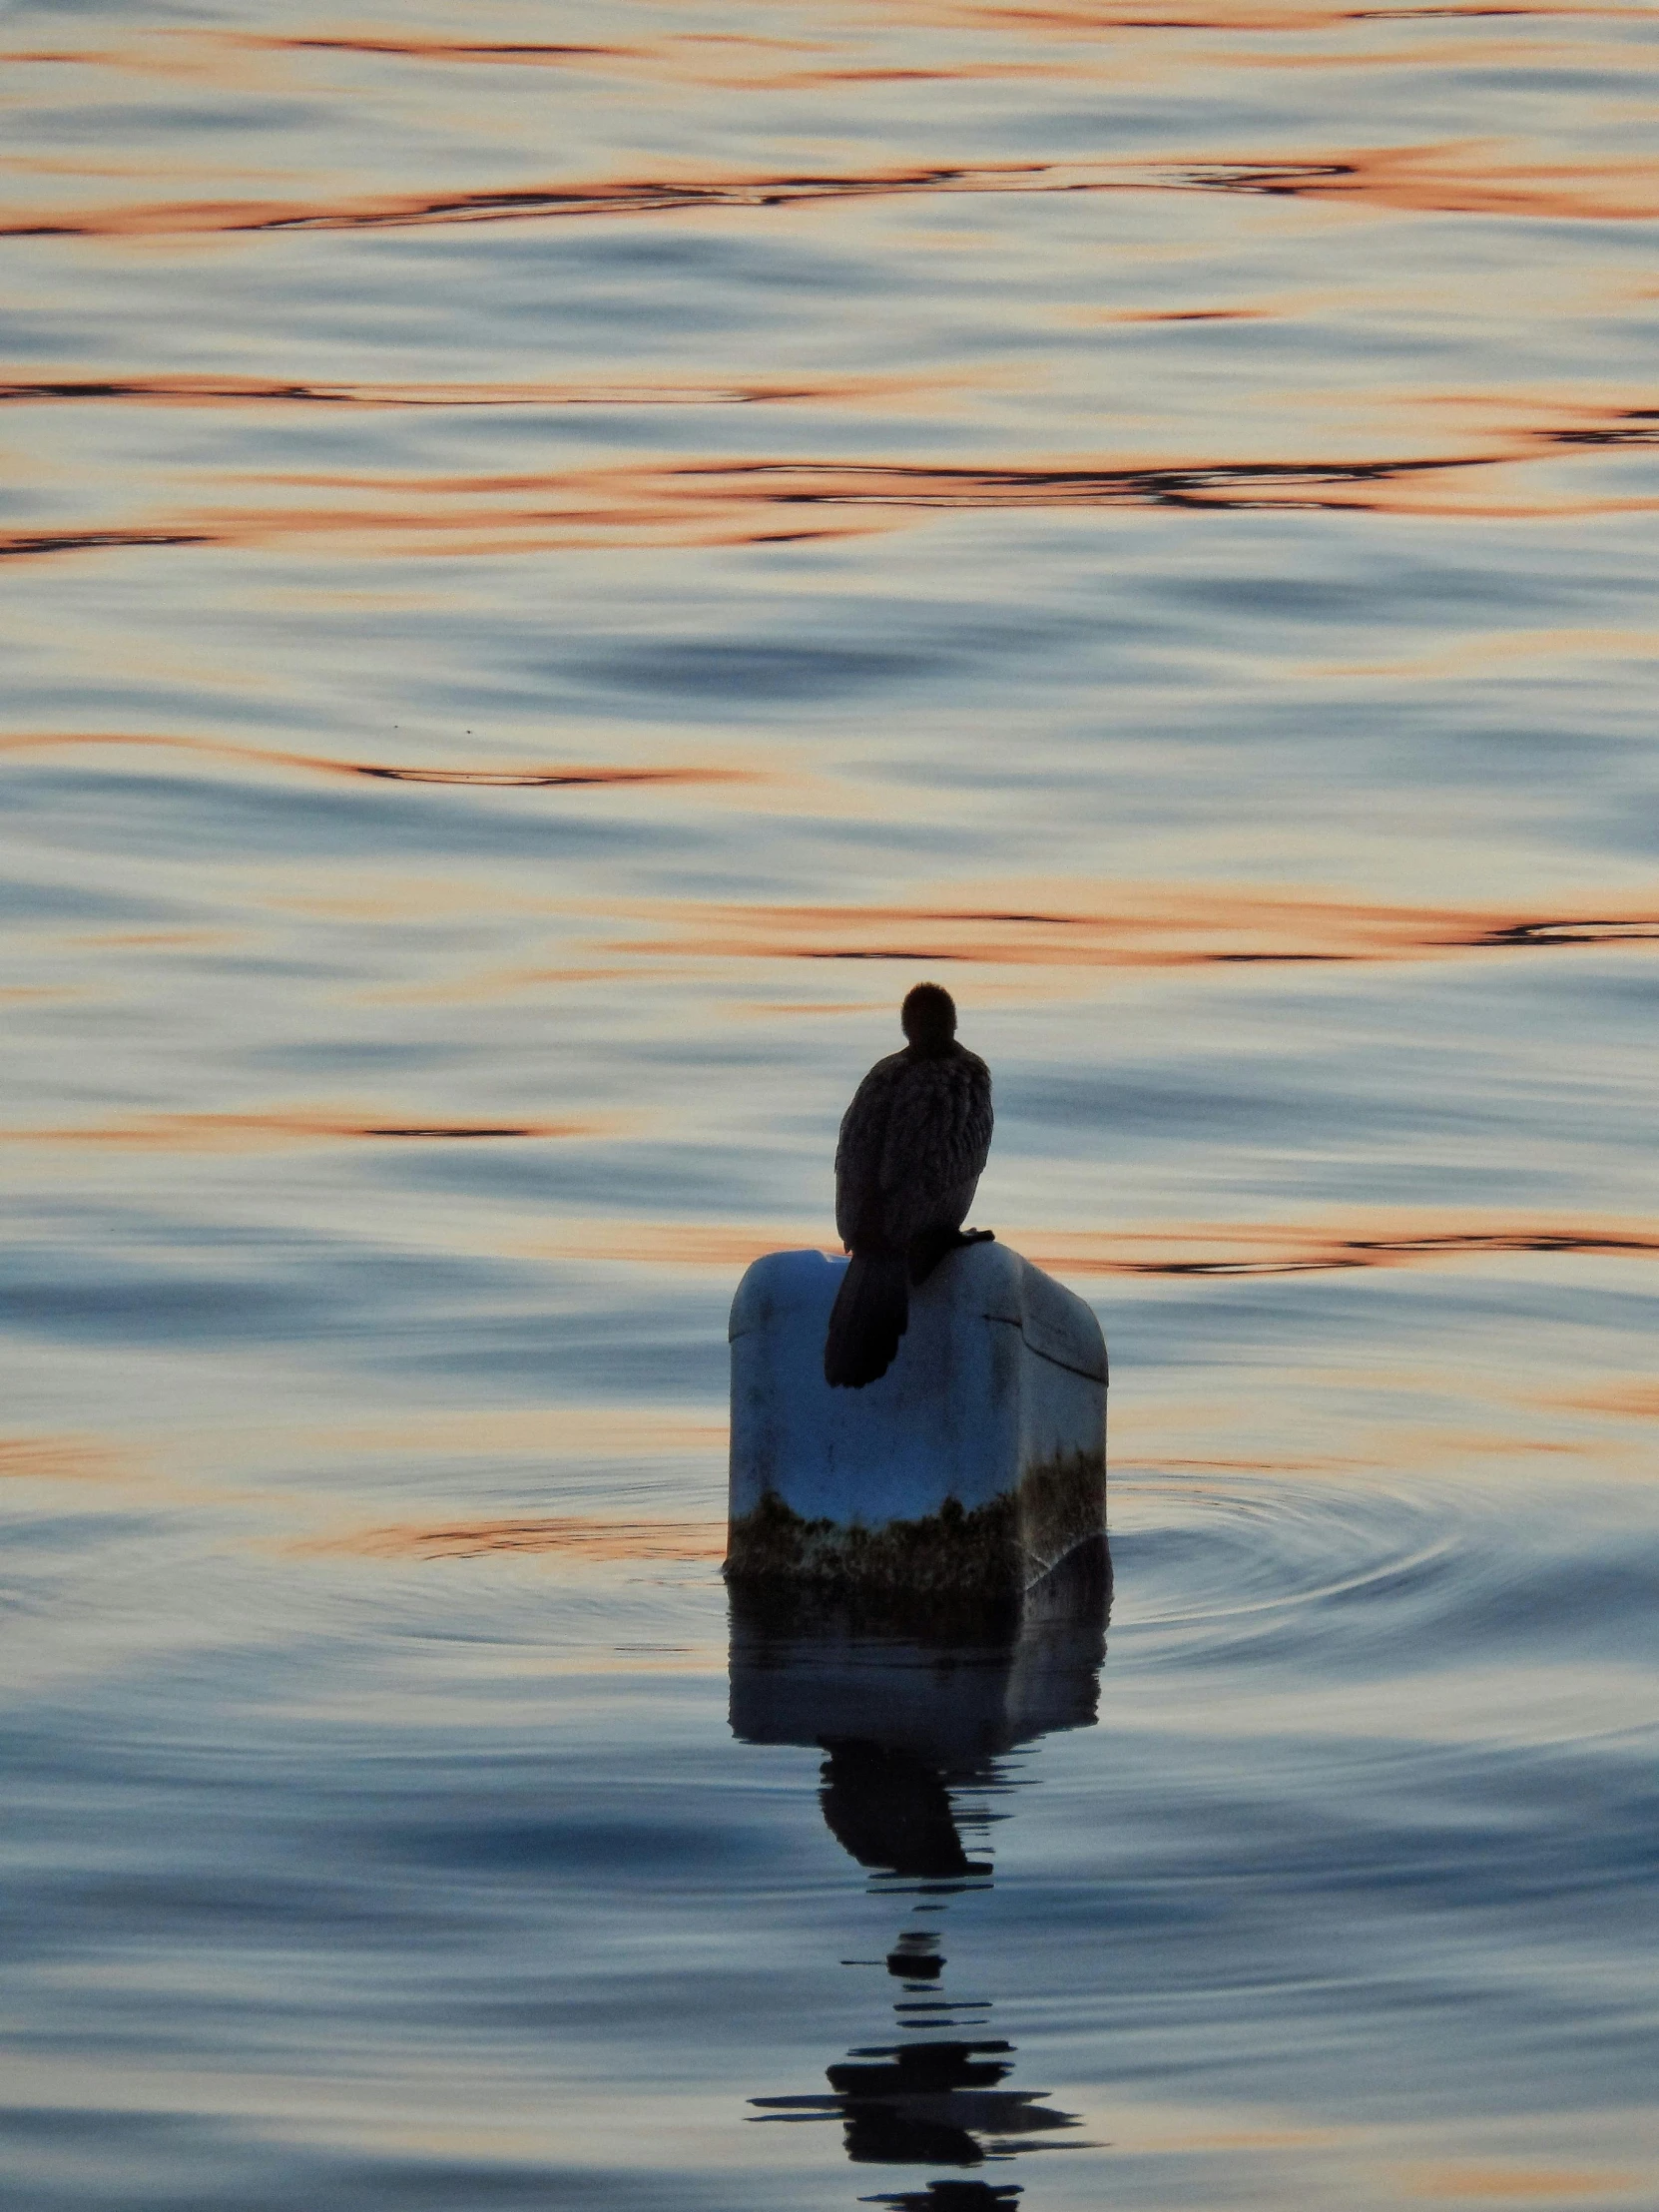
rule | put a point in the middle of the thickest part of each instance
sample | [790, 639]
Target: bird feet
[933, 1245]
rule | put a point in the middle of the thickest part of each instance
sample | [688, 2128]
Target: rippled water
[557, 559]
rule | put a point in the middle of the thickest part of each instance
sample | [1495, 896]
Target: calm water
[558, 559]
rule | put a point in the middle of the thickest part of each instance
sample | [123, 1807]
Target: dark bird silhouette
[912, 1147]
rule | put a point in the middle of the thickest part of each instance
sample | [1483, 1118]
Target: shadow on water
[911, 1711]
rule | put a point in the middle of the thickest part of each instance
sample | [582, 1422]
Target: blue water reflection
[911, 1718]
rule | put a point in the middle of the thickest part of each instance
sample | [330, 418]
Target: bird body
[913, 1144]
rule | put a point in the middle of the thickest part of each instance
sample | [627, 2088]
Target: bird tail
[870, 1313]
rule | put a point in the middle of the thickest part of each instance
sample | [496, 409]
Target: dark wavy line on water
[1140, 927]
[1629, 426]
[1480, 14]
[1514, 936]
[638, 196]
[31, 544]
[443, 50]
[672, 53]
[501, 778]
[255, 1132]
[1423, 179]
[568, 1534]
[528, 777]
[235, 391]
[636, 501]
[718, 500]
[1375, 1252]
[1161, 484]
[1584, 930]
[1225, 1249]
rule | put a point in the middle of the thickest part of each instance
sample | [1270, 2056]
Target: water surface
[556, 562]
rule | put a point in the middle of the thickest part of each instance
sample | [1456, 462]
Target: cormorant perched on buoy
[912, 1147]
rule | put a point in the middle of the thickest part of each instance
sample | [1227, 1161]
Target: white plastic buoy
[975, 1464]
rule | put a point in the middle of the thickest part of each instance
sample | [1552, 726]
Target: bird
[912, 1147]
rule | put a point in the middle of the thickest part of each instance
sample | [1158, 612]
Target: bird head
[929, 1016]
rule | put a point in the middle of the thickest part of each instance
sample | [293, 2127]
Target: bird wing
[860, 1151]
[938, 1131]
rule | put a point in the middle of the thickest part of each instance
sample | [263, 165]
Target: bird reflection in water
[909, 1712]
